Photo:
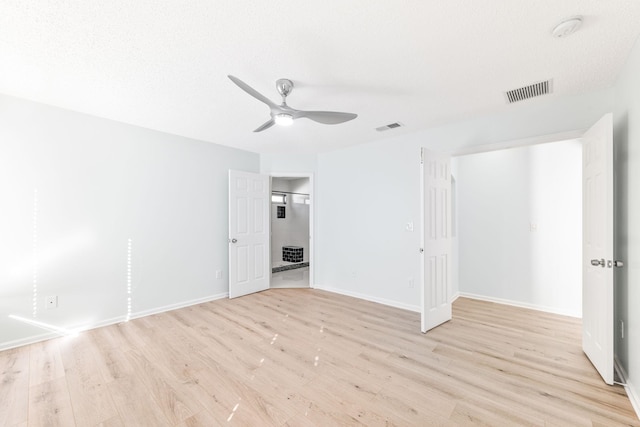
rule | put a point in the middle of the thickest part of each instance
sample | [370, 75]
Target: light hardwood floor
[302, 357]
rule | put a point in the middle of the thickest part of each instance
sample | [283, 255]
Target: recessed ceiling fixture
[567, 27]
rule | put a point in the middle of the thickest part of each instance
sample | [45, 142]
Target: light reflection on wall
[34, 297]
[53, 328]
[54, 253]
[129, 243]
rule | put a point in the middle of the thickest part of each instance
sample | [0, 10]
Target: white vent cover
[389, 126]
[531, 91]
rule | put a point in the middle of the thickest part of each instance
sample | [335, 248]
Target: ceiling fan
[283, 114]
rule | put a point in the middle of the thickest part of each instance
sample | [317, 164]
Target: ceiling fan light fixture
[284, 119]
[283, 115]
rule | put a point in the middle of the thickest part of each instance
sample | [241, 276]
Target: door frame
[312, 202]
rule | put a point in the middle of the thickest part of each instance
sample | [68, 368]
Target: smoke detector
[567, 27]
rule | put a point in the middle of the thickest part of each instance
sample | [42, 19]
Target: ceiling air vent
[389, 126]
[531, 91]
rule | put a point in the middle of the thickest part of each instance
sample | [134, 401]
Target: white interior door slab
[437, 242]
[249, 227]
[597, 246]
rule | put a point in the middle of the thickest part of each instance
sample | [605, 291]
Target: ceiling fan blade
[251, 91]
[266, 125]
[327, 117]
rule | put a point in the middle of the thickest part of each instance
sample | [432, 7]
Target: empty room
[319, 213]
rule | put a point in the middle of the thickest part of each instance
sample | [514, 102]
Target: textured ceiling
[163, 64]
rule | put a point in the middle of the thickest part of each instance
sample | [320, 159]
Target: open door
[248, 233]
[437, 242]
[597, 246]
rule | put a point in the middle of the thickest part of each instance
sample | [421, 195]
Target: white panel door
[437, 242]
[248, 233]
[597, 246]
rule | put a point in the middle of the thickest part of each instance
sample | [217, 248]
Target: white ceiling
[163, 64]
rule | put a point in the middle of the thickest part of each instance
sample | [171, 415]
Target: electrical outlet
[218, 274]
[51, 302]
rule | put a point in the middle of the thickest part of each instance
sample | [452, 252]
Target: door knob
[233, 240]
[597, 262]
[618, 264]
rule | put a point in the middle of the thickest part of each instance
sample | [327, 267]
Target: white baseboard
[106, 322]
[521, 304]
[179, 305]
[632, 392]
[28, 340]
[384, 301]
[634, 397]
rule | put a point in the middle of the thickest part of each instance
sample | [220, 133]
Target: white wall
[100, 183]
[300, 185]
[293, 229]
[627, 176]
[520, 226]
[287, 162]
[367, 193]
[365, 196]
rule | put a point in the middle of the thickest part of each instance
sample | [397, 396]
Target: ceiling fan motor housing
[284, 86]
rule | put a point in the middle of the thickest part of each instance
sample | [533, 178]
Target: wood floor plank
[111, 422]
[303, 357]
[45, 362]
[14, 386]
[466, 413]
[201, 419]
[229, 397]
[339, 401]
[164, 390]
[134, 403]
[92, 404]
[50, 404]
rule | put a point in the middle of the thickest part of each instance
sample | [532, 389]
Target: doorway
[291, 231]
[597, 257]
[522, 208]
